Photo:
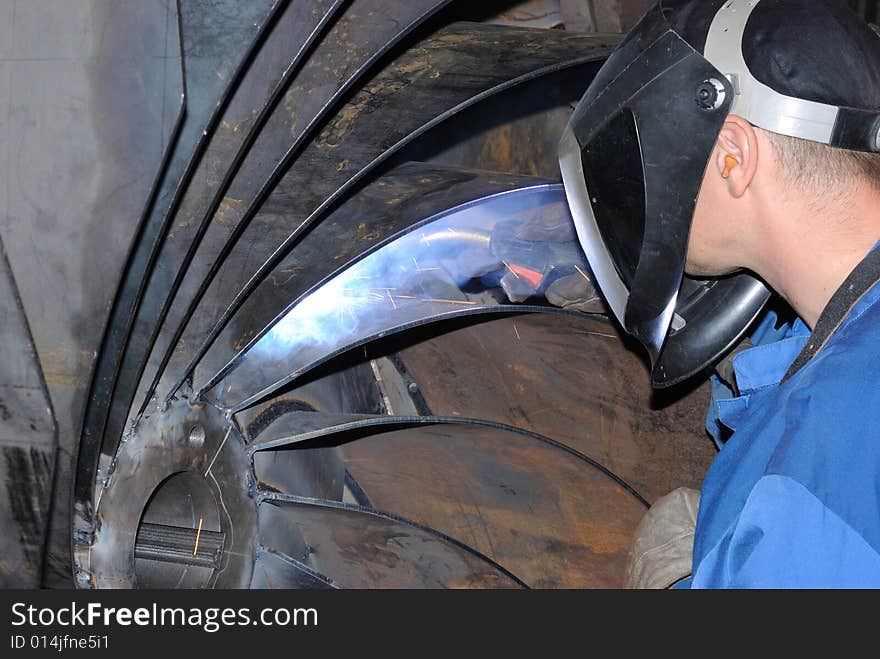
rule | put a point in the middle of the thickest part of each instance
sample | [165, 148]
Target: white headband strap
[753, 100]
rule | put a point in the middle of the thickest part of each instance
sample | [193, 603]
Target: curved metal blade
[299, 427]
[363, 548]
[312, 472]
[304, 428]
[488, 255]
[276, 571]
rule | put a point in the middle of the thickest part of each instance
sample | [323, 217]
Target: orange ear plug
[729, 163]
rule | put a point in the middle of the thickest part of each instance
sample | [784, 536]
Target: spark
[507, 265]
[607, 336]
[391, 298]
[583, 274]
[516, 331]
[198, 535]
[466, 302]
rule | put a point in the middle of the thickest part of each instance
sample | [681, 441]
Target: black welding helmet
[635, 152]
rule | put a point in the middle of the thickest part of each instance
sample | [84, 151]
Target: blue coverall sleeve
[785, 537]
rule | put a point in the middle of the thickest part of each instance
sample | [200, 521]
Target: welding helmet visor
[633, 159]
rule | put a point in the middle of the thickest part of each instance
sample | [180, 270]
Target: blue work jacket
[793, 498]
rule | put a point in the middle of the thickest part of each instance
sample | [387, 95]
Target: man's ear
[736, 154]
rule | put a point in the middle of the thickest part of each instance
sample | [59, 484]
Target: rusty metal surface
[602, 15]
[478, 141]
[551, 519]
[573, 380]
[274, 571]
[362, 548]
[545, 14]
[551, 516]
[311, 472]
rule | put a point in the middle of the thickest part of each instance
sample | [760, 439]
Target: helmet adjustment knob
[710, 94]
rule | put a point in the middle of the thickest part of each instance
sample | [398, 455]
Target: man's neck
[808, 263]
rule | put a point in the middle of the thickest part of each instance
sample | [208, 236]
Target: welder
[727, 149]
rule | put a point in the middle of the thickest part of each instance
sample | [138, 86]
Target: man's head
[718, 130]
[788, 46]
[761, 188]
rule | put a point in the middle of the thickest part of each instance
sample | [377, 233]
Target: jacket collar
[839, 309]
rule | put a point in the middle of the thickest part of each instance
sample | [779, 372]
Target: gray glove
[662, 550]
[575, 293]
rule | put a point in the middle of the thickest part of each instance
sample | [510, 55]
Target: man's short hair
[813, 165]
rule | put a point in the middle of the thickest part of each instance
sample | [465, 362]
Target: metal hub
[179, 539]
[177, 510]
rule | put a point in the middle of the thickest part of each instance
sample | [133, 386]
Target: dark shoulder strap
[859, 282]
